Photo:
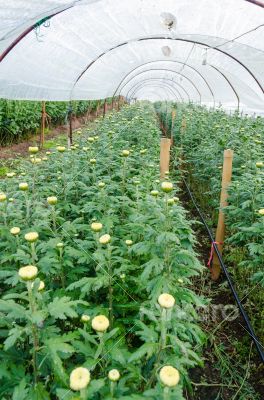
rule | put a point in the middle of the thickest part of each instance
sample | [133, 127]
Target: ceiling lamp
[168, 20]
[166, 50]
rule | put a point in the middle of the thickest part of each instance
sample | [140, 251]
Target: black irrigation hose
[249, 329]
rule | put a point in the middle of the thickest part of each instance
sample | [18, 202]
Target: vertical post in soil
[183, 125]
[220, 232]
[104, 108]
[173, 115]
[70, 141]
[164, 156]
[42, 129]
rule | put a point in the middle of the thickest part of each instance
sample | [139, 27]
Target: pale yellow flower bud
[85, 318]
[96, 226]
[61, 149]
[28, 273]
[15, 230]
[125, 153]
[114, 375]
[52, 200]
[31, 236]
[100, 323]
[79, 378]
[33, 149]
[23, 186]
[3, 197]
[105, 239]
[167, 187]
[166, 300]
[169, 376]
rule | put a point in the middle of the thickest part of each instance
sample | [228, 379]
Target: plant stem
[112, 389]
[62, 269]
[53, 214]
[110, 287]
[34, 332]
[83, 394]
[33, 253]
[166, 393]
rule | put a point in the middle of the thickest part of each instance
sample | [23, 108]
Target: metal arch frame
[165, 38]
[169, 70]
[167, 88]
[230, 84]
[30, 28]
[149, 85]
[157, 81]
[173, 61]
[160, 79]
[256, 2]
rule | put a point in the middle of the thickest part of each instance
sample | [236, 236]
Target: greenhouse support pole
[220, 232]
[43, 118]
[183, 125]
[70, 141]
[104, 108]
[173, 116]
[165, 144]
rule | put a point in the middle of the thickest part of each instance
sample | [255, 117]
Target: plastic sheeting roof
[205, 51]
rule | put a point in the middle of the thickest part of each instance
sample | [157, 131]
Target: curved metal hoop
[171, 71]
[160, 80]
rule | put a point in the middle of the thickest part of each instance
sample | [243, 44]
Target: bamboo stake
[104, 108]
[173, 115]
[164, 156]
[183, 125]
[220, 232]
[70, 142]
[42, 129]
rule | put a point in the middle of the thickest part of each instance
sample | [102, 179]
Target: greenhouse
[131, 199]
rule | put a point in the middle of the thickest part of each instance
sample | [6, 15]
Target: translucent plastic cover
[209, 52]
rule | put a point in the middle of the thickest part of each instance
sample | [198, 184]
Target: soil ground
[232, 368]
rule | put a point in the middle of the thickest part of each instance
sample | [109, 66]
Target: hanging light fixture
[166, 50]
[168, 20]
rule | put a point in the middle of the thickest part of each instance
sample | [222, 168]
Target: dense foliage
[94, 300]
[201, 136]
[21, 118]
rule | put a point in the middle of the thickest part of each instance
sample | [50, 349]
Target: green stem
[166, 393]
[112, 389]
[34, 332]
[33, 253]
[53, 215]
[62, 269]
[83, 394]
[110, 287]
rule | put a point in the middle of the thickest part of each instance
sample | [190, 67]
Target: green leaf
[20, 391]
[147, 349]
[63, 307]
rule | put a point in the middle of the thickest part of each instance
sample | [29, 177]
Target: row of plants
[97, 260]
[19, 119]
[201, 136]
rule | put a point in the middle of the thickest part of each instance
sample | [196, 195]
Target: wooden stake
[164, 156]
[183, 125]
[70, 141]
[43, 119]
[220, 232]
[104, 107]
[173, 115]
